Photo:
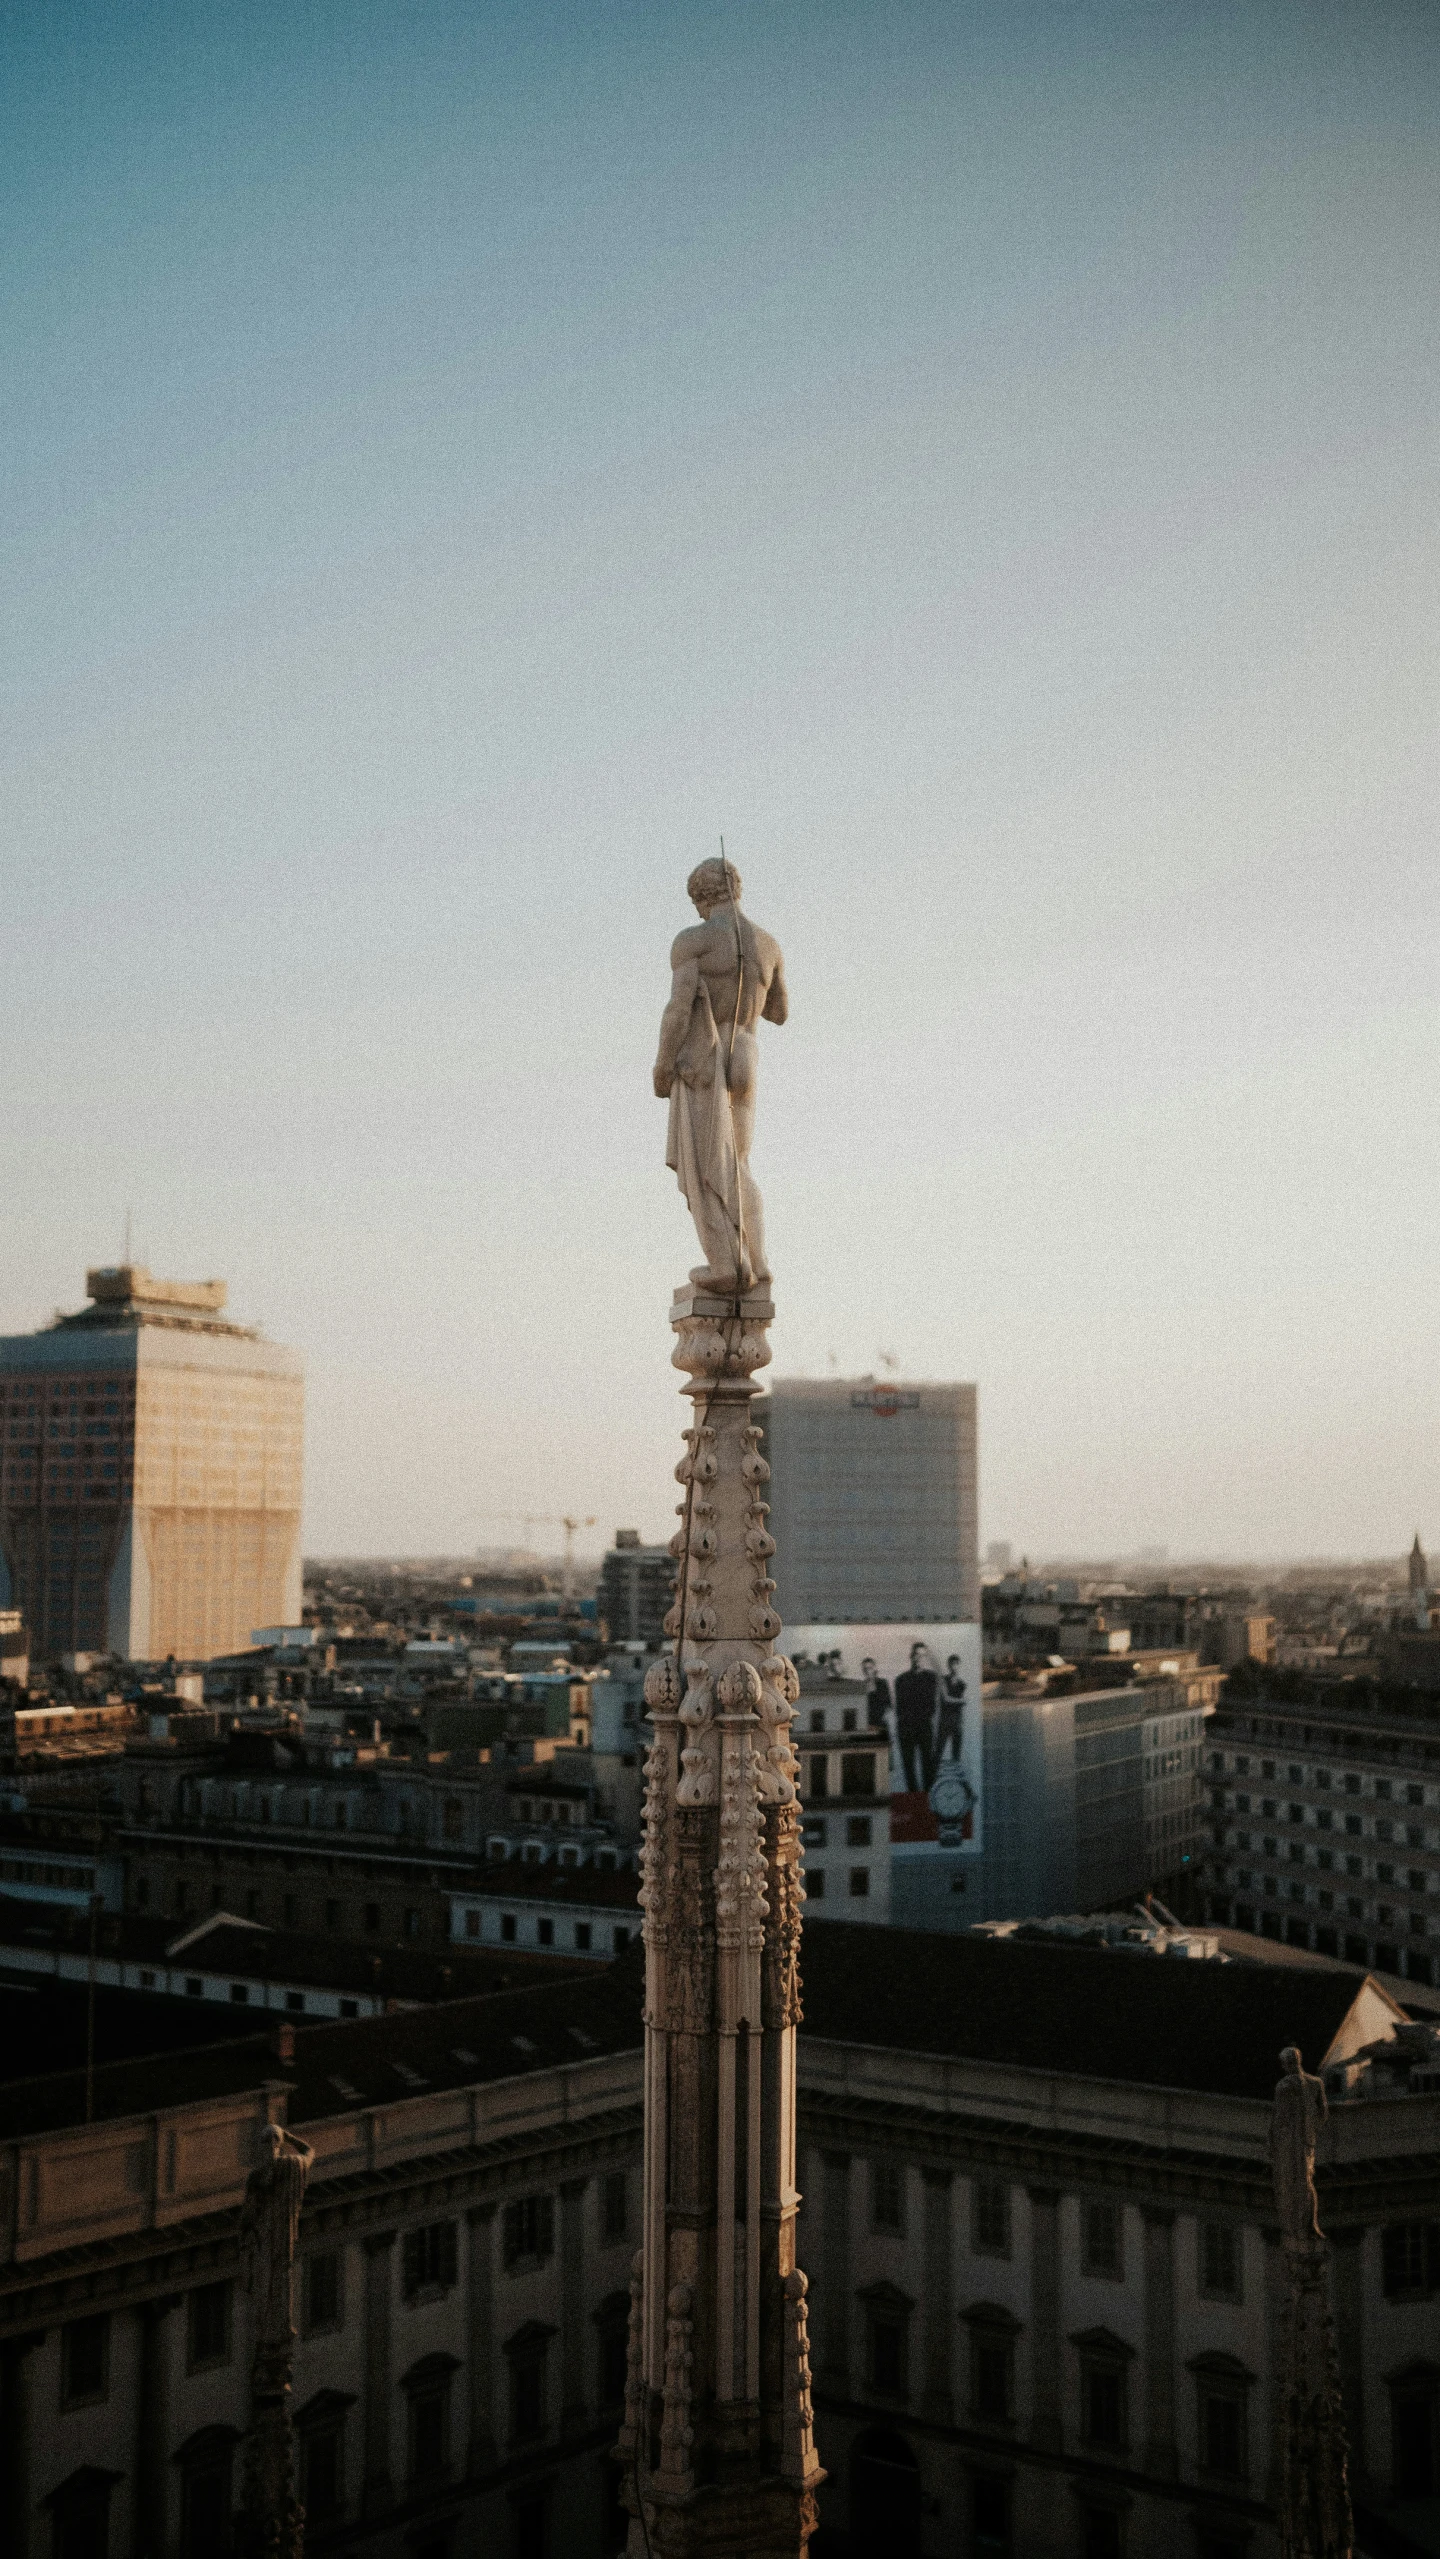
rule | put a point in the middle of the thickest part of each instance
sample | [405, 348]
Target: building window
[615, 2204]
[887, 2195]
[1410, 2260]
[428, 2259]
[1221, 2433]
[526, 2354]
[208, 2327]
[582, 1936]
[1415, 2453]
[815, 1884]
[545, 1932]
[1103, 2374]
[321, 2289]
[80, 2508]
[206, 2463]
[859, 1882]
[612, 2325]
[819, 1785]
[472, 1923]
[1220, 2261]
[1102, 2240]
[858, 1831]
[990, 2217]
[320, 2429]
[372, 1918]
[622, 1940]
[84, 2361]
[412, 1923]
[887, 2319]
[1102, 2532]
[992, 2364]
[507, 1927]
[427, 2388]
[990, 2515]
[529, 2229]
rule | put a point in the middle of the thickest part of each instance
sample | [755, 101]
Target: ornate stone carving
[1315, 2517]
[782, 1941]
[272, 2520]
[699, 1758]
[718, 2391]
[634, 2419]
[798, 2440]
[677, 2434]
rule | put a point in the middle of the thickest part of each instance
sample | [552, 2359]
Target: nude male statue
[727, 977]
[1298, 2112]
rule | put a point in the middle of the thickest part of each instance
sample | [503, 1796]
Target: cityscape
[707, 1858]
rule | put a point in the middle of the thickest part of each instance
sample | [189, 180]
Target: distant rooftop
[125, 1294]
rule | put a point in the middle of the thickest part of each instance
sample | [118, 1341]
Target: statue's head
[713, 883]
[274, 2139]
[1290, 2061]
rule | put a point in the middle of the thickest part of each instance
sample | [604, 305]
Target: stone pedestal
[1315, 2518]
[717, 2446]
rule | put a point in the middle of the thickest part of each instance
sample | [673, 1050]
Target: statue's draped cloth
[700, 1144]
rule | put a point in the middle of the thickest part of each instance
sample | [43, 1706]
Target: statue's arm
[777, 1000]
[675, 1020]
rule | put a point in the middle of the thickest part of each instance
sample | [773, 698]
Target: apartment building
[1324, 1825]
[150, 1474]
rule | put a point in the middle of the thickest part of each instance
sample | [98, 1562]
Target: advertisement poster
[924, 1684]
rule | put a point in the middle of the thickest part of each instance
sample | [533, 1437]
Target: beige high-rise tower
[150, 1456]
[718, 2449]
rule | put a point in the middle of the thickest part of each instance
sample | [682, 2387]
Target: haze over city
[459, 464]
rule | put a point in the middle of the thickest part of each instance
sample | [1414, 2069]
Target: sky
[457, 462]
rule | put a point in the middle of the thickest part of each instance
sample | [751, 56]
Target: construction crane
[548, 1519]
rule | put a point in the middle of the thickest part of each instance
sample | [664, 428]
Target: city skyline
[456, 471]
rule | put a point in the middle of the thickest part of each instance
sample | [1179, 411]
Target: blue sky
[455, 462]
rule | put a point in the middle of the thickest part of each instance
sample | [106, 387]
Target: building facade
[637, 1584]
[150, 1467]
[1037, 2214]
[845, 1791]
[873, 1500]
[1091, 1796]
[1324, 1825]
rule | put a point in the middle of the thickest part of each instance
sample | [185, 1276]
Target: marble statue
[727, 976]
[271, 2520]
[1296, 2117]
[269, 2226]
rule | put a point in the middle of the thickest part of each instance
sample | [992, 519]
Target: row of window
[580, 1932]
[1385, 1790]
[1219, 2260]
[1247, 1880]
[1222, 2383]
[429, 2266]
[186, 1902]
[857, 1883]
[324, 2429]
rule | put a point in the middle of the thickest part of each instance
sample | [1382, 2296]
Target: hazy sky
[459, 460]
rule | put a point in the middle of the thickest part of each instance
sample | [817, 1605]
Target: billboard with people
[924, 1689]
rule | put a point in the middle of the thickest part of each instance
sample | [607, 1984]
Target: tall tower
[149, 1474]
[1419, 1577]
[718, 2442]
